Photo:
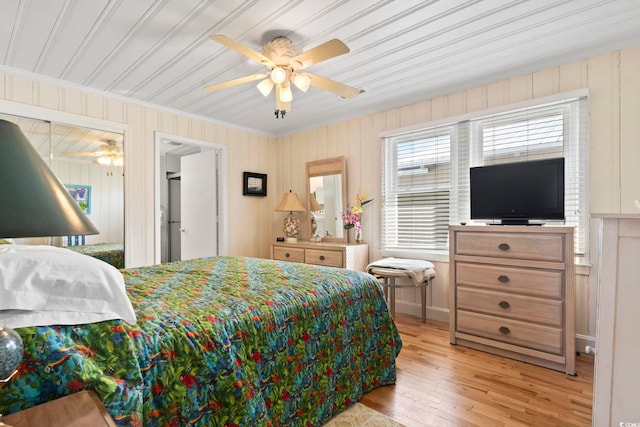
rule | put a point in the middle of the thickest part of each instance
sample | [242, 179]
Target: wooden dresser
[512, 292]
[341, 255]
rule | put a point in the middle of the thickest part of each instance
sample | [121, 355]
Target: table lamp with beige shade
[291, 203]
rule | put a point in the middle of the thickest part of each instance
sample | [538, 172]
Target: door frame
[159, 139]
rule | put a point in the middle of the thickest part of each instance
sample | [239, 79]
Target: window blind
[416, 190]
[426, 172]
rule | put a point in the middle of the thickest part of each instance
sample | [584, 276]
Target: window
[426, 172]
[417, 184]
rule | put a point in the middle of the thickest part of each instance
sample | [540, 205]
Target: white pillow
[47, 285]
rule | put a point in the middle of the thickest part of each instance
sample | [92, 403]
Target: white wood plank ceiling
[402, 51]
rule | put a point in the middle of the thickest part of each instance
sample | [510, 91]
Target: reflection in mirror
[89, 163]
[326, 181]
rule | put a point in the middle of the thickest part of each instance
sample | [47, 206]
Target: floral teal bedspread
[224, 341]
[111, 253]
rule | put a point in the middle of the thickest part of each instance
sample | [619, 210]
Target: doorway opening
[190, 199]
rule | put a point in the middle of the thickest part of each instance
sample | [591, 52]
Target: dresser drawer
[288, 254]
[537, 337]
[323, 257]
[535, 282]
[528, 309]
[526, 246]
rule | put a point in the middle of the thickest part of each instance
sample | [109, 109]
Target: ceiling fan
[284, 60]
[110, 153]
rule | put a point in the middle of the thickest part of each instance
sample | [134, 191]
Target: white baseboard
[414, 309]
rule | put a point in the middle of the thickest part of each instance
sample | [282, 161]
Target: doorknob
[181, 230]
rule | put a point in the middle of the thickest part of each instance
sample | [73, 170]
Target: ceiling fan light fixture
[302, 82]
[285, 94]
[104, 160]
[265, 87]
[118, 161]
[278, 75]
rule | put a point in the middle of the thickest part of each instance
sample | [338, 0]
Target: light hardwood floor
[440, 384]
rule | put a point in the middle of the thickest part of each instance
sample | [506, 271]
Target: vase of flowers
[352, 217]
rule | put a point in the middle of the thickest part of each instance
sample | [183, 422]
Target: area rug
[360, 415]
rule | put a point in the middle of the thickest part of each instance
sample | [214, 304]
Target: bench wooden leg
[392, 302]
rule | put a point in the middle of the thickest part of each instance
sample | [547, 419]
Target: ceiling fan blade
[80, 153]
[235, 82]
[232, 44]
[333, 86]
[320, 53]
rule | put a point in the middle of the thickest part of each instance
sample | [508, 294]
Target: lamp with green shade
[33, 203]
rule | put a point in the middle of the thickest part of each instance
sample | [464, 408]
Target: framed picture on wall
[82, 195]
[254, 184]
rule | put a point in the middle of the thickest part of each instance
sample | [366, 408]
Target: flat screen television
[517, 193]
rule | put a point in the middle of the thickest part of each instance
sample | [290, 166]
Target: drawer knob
[503, 279]
[287, 255]
[503, 246]
[504, 304]
[504, 330]
[321, 257]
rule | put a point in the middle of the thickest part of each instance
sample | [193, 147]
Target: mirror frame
[331, 166]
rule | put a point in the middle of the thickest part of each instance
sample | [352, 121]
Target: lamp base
[291, 228]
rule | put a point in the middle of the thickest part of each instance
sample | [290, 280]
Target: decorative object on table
[34, 204]
[254, 184]
[82, 195]
[291, 203]
[11, 350]
[352, 217]
[10, 353]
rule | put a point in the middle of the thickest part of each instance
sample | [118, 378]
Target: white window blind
[416, 187]
[426, 172]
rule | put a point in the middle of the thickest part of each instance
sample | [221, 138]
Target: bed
[222, 341]
[111, 253]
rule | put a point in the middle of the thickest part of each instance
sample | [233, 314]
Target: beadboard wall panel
[141, 122]
[629, 129]
[614, 102]
[604, 132]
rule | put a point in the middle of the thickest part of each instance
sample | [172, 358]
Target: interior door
[198, 205]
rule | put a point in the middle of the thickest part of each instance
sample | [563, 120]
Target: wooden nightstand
[75, 410]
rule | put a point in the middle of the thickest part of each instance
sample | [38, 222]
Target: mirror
[89, 162]
[326, 198]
